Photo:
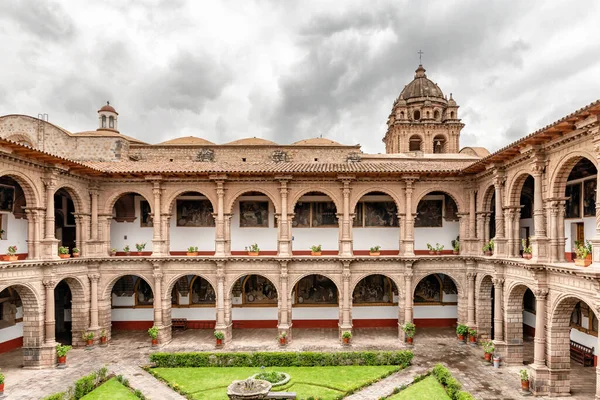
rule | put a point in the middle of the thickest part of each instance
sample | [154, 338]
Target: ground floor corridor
[130, 349]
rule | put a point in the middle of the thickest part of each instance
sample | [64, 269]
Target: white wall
[13, 331]
[16, 233]
[254, 313]
[134, 232]
[585, 339]
[444, 235]
[183, 237]
[589, 231]
[375, 312]
[387, 238]
[266, 238]
[529, 318]
[315, 312]
[526, 223]
[131, 314]
[304, 238]
[435, 312]
[194, 313]
[123, 301]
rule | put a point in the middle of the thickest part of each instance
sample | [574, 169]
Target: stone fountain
[249, 389]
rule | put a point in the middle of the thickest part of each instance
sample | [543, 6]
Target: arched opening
[111, 122]
[63, 323]
[104, 121]
[580, 207]
[401, 114]
[417, 115]
[376, 224]
[315, 303]
[574, 324]
[315, 223]
[65, 224]
[435, 302]
[192, 224]
[132, 224]
[132, 304]
[375, 303]
[439, 144]
[436, 223]
[193, 306]
[485, 309]
[13, 219]
[491, 223]
[11, 320]
[254, 301]
[526, 226]
[451, 114]
[520, 325]
[414, 143]
[253, 221]
[436, 115]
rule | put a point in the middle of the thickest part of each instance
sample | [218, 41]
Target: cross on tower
[420, 54]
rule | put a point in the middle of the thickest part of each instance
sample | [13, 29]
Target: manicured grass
[427, 389]
[326, 383]
[111, 389]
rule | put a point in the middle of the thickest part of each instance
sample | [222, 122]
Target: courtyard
[129, 350]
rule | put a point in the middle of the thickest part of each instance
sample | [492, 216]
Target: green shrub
[453, 387]
[85, 385]
[281, 359]
[464, 396]
[56, 396]
[272, 376]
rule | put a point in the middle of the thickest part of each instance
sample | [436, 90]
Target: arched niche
[435, 301]
[436, 222]
[132, 302]
[132, 218]
[376, 223]
[192, 223]
[315, 222]
[254, 302]
[253, 221]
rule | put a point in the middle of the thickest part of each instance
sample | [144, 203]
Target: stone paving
[129, 350]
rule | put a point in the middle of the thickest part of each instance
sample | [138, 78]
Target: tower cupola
[107, 118]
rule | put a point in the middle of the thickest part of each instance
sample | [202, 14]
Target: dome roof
[316, 142]
[421, 87]
[187, 141]
[108, 108]
[254, 141]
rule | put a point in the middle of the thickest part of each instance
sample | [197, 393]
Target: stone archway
[440, 294]
[484, 308]
[254, 302]
[193, 298]
[513, 325]
[375, 300]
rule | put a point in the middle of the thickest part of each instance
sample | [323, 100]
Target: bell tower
[108, 118]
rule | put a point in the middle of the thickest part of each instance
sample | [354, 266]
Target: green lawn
[111, 389]
[326, 383]
[427, 389]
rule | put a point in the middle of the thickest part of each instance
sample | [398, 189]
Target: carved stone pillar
[509, 215]
[220, 220]
[402, 225]
[94, 278]
[157, 239]
[517, 231]
[94, 214]
[463, 225]
[222, 322]
[32, 244]
[553, 231]
[539, 352]
[166, 232]
[498, 311]
[500, 248]
[408, 299]
[346, 240]
[472, 215]
[409, 239]
[560, 221]
[471, 296]
[158, 276]
[227, 236]
[539, 242]
[285, 247]
[480, 231]
[284, 314]
[50, 242]
[49, 322]
[486, 227]
[346, 325]
[105, 221]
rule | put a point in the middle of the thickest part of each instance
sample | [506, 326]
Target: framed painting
[429, 290]
[7, 198]
[301, 215]
[195, 213]
[572, 208]
[373, 289]
[258, 290]
[324, 214]
[145, 214]
[254, 214]
[589, 198]
[429, 214]
[316, 289]
[381, 214]
[202, 292]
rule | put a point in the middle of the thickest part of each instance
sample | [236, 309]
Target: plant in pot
[140, 247]
[431, 249]
[461, 331]
[153, 333]
[315, 250]
[438, 249]
[455, 245]
[282, 338]
[253, 249]
[375, 250]
[63, 252]
[220, 336]
[488, 248]
[192, 251]
[126, 250]
[61, 352]
[113, 252]
[409, 331]
[103, 338]
[88, 337]
[1, 384]
[526, 249]
[75, 252]
[472, 335]
[346, 336]
[524, 380]
[11, 254]
[583, 252]
[488, 349]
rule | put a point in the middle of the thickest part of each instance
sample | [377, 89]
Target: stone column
[539, 352]
[409, 240]
[471, 296]
[94, 278]
[50, 184]
[346, 241]
[408, 295]
[463, 225]
[221, 323]
[510, 240]
[517, 231]
[30, 234]
[539, 242]
[346, 324]
[104, 223]
[285, 249]
[228, 234]
[402, 225]
[486, 227]
[480, 231]
[284, 322]
[472, 215]
[553, 231]
[166, 235]
[220, 220]
[560, 221]
[158, 276]
[500, 248]
[49, 322]
[94, 211]
[157, 240]
[498, 312]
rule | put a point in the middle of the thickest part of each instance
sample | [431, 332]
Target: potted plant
[455, 245]
[409, 331]
[11, 254]
[488, 349]
[126, 250]
[524, 380]
[220, 336]
[526, 249]
[583, 252]
[61, 352]
[88, 337]
[488, 248]
[472, 335]
[103, 338]
[438, 249]
[282, 338]
[375, 250]
[153, 333]
[461, 331]
[75, 252]
[140, 247]
[113, 252]
[63, 252]
[253, 249]
[192, 251]
[431, 249]
[346, 336]
[1, 384]
[315, 250]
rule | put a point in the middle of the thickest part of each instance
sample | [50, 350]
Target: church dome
[186, 141]
[421, 87]
[316, 142]
[254, 141]
[109, 108]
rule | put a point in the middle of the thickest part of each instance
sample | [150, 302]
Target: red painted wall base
[528, 330]
[434, 322]
[11, 345]
[375, 323]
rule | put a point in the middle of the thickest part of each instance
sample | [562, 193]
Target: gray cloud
[46, 20]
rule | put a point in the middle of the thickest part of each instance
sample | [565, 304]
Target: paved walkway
[129, 350]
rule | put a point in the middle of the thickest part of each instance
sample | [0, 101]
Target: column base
[500, 348]
[470, 247]
[559, 382]
[158, 248]
[500, 248]
[595, 250]
[227, 331]
[408, 248]
[40, 357]
[346, 248]
[49, 249]
[539, 247]
[287, 329]
[164, 334]
[539, 382]
[285, 248]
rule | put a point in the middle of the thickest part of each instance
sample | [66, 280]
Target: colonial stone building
[103, 192]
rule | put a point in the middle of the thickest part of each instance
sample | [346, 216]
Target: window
[104, 121]
[529, 301]
[313, 214]
[436, 115]
[111, 122]
[401, 114]
[414, 143]
[417, 115]
[451, 114]
[375, 214]
[439, 144]
[583, 319]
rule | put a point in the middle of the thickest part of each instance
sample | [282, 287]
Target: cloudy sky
[285, 71]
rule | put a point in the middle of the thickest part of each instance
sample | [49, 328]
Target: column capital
[49, 283]
[94, 277]
[346, 275]
[498, 281]
[540, 294]
[471, 275]
[158, 275]
[499, 181]
[50, 182]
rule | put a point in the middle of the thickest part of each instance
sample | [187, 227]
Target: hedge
[281, 359]
[449, 383]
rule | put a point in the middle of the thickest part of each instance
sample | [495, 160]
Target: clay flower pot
[375, 254]
[62, 360]
[282, 341]
[409, 340]
[155, 342]
[315, 253]
[461, 338]
[583, 262]
[193, 254]
[139, 253]
[219, 342]
[438, 253]
[455, 252]
[527, 256]
[346, 340]
[488, 356]
[102, 340]
[473, 339]
[64, 255]
[113, 253]
[431, 252]
[253, 253]
[1, 388]
[525, 386]
[488, 253]
[89, 342]
[75, 255]
[127, 253]
[8, 257]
